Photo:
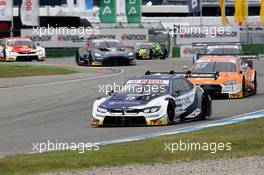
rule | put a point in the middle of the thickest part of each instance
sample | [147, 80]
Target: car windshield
[20, 43]
[107, 44]
[144, 45]
[209, 67]
[154, 89]
[226, 51]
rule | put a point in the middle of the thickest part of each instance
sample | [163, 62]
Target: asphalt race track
[60, 111]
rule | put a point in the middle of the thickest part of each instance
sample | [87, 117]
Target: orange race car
[236, 76]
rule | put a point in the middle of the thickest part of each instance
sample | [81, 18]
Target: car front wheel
[171, 112]
[79, 62]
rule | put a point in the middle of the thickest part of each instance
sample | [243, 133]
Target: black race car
[104, 52]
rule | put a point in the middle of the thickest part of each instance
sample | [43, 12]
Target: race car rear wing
[214, 75]
[217, 43]
[242, 57]
[151, 73]
[188, 74]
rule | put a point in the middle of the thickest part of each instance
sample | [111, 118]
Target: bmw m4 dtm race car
[21, 49]
[153, 99]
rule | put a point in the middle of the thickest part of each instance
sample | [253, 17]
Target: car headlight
[10, 51]
[130, 54]
[102, 110]
[152, 109]
[230, 83]
[97, 54]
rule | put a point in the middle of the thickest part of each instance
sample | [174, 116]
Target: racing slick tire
[163, 57]
[4, 55]
[255, 84]
[206, 107]
[41, 60]
[171, 112]
[151, 54]
[77, 59]
[243, 88]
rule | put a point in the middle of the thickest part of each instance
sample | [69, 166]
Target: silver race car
[104, 52]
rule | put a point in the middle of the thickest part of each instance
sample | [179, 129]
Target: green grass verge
[246, 138]
[253, 48]
[60, 53]
[9, 70]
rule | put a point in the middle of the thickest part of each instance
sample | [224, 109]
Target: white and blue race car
[153, 99]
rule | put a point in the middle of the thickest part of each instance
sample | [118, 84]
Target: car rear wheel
[4, 55]
[77, 59]
[163, 57]
[151, 54]
[243, 88]
[206, 107]
[41, 60]
[255, 84]
[171, 112]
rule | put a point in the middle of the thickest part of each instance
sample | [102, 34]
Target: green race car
[149, 51]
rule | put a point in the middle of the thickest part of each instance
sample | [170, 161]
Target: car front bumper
[233, 91]
[115, 120]
[25, 57]
[116, 60]
[142, 56]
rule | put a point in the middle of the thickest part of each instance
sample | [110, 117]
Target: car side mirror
[177, 93]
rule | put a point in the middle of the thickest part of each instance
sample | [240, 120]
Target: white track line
[173, 131]
[170, 132]
[64, 82]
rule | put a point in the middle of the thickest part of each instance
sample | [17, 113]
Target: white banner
[67, 37]
[6, 10]
[197, 34]
[121, 7]
[30, 12]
